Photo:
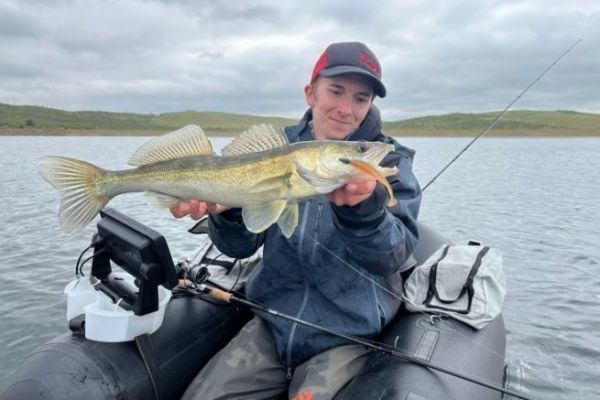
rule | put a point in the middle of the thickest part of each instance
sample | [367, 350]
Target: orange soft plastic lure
[369, 170]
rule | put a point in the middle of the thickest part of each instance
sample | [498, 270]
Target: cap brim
[378, 87]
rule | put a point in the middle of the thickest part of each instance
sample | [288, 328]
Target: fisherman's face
[339, 104]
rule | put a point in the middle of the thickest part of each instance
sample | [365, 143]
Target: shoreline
[221, 133]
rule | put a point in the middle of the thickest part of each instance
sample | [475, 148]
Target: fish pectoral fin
[258, 217]
[320, 183]
[161, 200]
[288, 221]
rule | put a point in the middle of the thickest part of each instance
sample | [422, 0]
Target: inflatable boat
[160, 365]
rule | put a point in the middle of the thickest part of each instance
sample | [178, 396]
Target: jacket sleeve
[229, 234]
[378, 238]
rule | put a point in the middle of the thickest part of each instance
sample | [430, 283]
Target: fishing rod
[382, 347]
[228, 297]
[490, 126]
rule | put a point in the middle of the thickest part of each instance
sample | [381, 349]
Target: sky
[255, 57]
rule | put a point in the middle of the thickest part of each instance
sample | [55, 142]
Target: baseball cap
[349, 57]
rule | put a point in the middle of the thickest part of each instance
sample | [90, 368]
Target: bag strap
[467, 286]
[206, 260]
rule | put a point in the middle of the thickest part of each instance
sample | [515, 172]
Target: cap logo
[368, 62]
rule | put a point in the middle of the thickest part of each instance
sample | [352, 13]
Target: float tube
[195, 327]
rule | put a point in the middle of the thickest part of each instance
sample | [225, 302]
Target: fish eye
[362, 147]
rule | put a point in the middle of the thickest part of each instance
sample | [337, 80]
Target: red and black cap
[349, 57]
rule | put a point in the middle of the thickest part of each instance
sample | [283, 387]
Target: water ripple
[543, 220]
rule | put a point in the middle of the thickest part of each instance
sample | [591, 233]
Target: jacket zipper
[315, 243]
[303, 228]
[379, 310]
[301, 235]
[293, 333]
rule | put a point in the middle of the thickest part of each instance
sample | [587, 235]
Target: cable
[78, 271]
[89, 258]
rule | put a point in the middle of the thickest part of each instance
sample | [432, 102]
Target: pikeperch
[258, 171]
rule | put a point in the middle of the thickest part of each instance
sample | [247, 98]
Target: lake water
[535, 199]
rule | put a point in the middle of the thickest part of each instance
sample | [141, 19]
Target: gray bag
[464, 282]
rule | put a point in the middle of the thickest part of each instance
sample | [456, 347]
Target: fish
[258, 171]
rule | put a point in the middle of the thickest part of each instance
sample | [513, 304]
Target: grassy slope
[32, 120]
[217, 121]
[43, 120]
[520, 122]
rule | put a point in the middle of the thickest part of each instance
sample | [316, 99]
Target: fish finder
[140, 251]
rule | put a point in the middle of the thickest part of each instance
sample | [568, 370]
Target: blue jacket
[307, 275]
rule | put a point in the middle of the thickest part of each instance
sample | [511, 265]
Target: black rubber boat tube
[230, 298]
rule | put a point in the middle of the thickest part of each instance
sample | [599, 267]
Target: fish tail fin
[77, 183]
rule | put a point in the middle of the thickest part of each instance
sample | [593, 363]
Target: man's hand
[352, 193]
[196, 209]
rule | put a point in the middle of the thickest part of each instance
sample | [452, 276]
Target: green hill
[519, 122]
[224, 123]
[33, 120]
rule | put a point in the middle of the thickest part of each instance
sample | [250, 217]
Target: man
[312, 274]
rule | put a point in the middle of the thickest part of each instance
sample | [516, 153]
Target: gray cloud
[14, 24]
[160, 56]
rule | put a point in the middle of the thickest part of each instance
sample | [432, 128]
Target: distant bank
[39, 121]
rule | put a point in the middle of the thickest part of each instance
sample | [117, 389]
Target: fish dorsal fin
[185, 142]
[257, 138]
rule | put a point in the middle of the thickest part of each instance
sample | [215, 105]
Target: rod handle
[221, 295]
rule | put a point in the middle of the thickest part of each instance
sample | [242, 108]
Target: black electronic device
[140, 251]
